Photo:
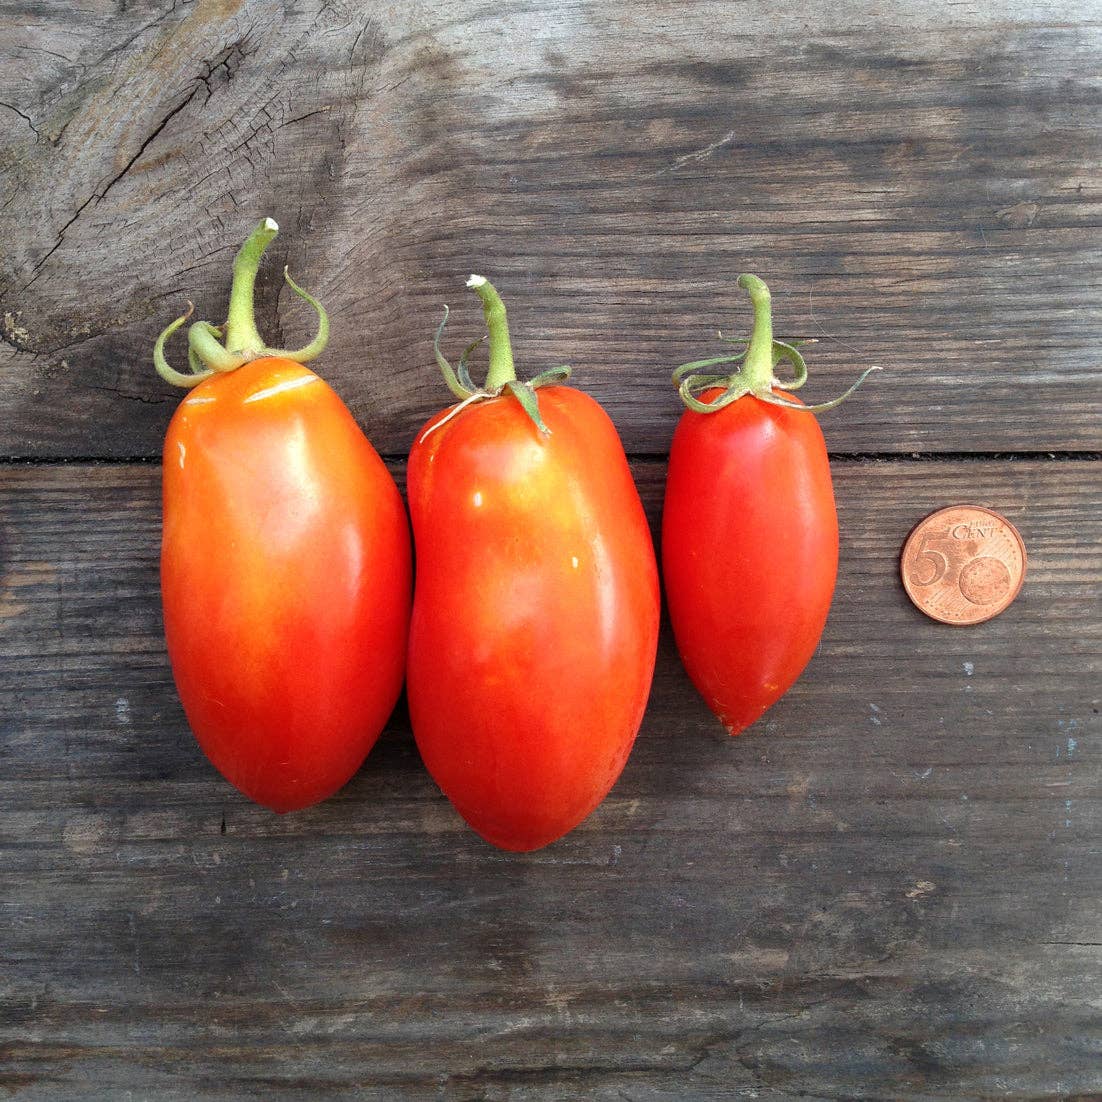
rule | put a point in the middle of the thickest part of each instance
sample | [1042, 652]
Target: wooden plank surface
[889, 889]
[920, 186]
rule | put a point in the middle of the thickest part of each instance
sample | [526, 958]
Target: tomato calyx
[501, 374]
[755, 374]
[214, 349]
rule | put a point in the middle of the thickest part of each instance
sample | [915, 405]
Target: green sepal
[783, 351]
[551, 376]
[202, 339]
[315, 348]
[168, 373]
[446, 369]
[687, 369]
[524, 394]
[462, 370]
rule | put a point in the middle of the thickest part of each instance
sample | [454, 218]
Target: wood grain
[889, 889]
[920, 188]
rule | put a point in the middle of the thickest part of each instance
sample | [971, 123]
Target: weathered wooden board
[891, 889]
[920, 185]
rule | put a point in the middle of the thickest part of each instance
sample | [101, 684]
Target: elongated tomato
[749, 528]
[535, 614]
[749, 552]
[286, 578]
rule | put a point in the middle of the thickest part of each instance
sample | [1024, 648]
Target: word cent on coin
[963, 564]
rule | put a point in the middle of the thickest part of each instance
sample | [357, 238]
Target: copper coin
[963, 564]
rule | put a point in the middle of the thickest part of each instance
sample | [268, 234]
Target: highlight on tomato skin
[535, 618]
[749, 527]
[286, 569]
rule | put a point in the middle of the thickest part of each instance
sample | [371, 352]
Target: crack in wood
[132, 39]
[23, 115]
[230, 59]
[98, 196]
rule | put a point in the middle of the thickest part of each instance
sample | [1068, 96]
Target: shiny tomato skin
[535, 617]
[749, 551]
[286, 581]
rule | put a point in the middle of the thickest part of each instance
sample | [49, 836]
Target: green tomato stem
[241, 331]
[757, 368]
[501, 370]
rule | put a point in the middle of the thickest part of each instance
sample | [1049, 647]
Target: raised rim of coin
[916, 600]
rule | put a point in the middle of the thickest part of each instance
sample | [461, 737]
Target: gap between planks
[634, 457]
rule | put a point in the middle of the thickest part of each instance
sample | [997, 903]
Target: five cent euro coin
[963, 564]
